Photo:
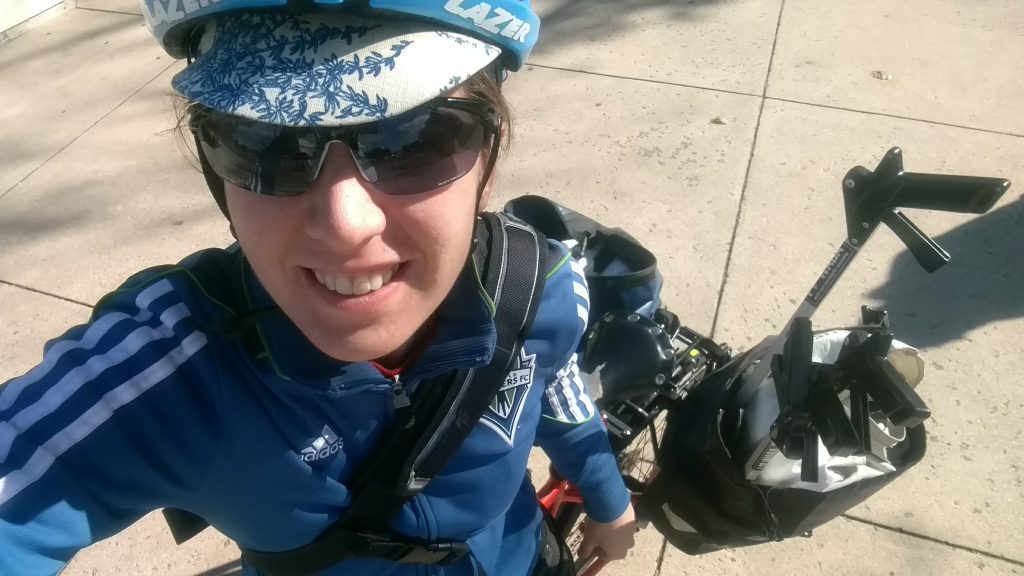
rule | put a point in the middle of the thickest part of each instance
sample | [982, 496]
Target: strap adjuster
[388, 547]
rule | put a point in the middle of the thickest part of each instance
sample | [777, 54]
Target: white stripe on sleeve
[567, 395]
[583, 396]
[10, 392]
[44, 457]
[582, 292]
[582, 313]
[77, 377]
[554, 403]
[577, 267]
[570, 398]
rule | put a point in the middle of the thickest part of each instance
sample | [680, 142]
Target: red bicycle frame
[555, 493]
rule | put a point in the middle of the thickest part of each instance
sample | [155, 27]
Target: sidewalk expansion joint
[109, 11]
[84, 132]
[646, 80]
[661, 557]
[45, 293]
[764, 96]
[746, 177]
[934, 540]
[897, 116]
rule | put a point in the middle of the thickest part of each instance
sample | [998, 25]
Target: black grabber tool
[806, 407]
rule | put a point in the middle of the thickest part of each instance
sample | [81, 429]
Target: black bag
[621, 274]
[702, 501]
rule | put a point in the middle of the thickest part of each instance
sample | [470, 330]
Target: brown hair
[484, 86]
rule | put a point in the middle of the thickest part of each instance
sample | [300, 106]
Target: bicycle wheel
[638, 461]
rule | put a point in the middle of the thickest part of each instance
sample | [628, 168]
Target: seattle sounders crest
[507, 406]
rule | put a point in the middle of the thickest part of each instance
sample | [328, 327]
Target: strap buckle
[390, 547]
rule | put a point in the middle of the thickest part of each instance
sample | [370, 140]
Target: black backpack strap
[512, 259]
[513, 276]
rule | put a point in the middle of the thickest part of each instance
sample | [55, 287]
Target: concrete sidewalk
[716, 131]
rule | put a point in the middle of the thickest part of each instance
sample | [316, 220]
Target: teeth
[341, 285]
[360, 285]
[355, 286]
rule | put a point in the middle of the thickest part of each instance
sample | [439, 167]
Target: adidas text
[500, 21]
[326, 445]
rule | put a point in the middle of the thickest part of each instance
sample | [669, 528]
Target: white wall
[14, 12]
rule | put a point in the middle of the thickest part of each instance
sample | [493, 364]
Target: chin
[359, 347]
[351, 351]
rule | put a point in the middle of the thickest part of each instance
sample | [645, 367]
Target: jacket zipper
[401, 400]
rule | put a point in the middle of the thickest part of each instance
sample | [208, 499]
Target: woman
[351, 149]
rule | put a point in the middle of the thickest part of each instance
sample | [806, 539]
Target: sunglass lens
[407, 154]
[414, 154]
[264, 158]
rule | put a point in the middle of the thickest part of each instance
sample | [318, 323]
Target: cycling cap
[510, 25]
[324, 69]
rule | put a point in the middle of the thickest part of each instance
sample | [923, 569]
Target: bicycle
[801, 403]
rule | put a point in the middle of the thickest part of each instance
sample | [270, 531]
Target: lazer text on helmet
[163, 11]
[500, 21]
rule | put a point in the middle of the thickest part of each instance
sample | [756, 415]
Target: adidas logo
[326, 445]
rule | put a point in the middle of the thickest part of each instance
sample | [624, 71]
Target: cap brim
[327, 69]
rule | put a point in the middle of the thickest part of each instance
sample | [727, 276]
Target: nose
[342, 210]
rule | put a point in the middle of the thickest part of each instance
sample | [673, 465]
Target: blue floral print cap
[326, 69]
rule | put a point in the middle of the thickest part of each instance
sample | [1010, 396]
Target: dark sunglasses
[417, 151]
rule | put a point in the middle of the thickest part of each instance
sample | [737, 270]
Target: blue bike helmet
[511, 25]
[335, 62]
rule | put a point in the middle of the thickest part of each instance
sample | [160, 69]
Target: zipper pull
[401, 400]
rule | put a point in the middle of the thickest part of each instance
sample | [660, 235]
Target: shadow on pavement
[230, 569]
[982, 283]
[571, 21]
[74, 33]
[36, 225]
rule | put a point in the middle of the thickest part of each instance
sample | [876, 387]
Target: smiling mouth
[355, 285]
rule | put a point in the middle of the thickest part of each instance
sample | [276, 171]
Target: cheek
[439, 230]
[445, 223]
[243, 207]
[262, 223]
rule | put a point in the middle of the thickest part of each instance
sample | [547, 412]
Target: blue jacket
[151, 405]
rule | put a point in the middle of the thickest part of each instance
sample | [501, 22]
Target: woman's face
[357, 271]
